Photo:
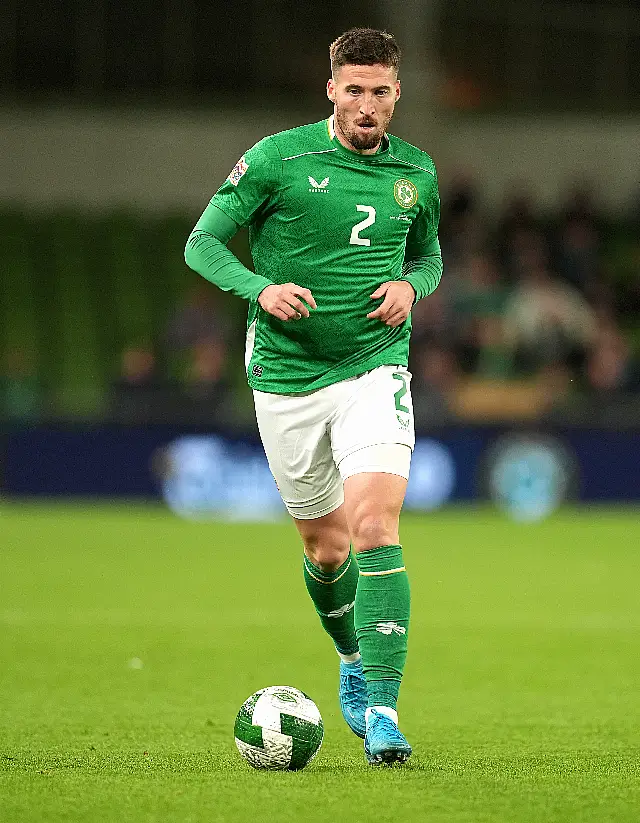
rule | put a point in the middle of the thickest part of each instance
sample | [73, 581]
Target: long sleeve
[206, 252]
[423, 269]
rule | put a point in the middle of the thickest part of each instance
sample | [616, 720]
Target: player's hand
[285, 302]
[398, 300]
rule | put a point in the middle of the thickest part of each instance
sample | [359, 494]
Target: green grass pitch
[129, 639]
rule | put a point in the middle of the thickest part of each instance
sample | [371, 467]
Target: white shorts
[314, 441]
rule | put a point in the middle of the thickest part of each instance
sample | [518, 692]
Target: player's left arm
[422, 258]
[421, 270]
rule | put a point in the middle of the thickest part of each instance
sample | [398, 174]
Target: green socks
[375, 590]
[333, 595]
[382, 621]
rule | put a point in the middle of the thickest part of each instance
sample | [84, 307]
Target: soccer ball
[279, 728]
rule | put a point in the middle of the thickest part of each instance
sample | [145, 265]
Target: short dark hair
[364, 47]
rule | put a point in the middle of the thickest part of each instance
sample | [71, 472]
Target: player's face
[363, 98]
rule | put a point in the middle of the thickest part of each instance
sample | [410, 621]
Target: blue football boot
[353, 696]
[384, 743]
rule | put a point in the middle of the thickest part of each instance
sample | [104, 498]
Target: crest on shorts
[405, 193]
[237, 171]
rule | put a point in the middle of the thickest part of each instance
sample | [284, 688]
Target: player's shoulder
[267, 155]
[306, 139]
[410, 155]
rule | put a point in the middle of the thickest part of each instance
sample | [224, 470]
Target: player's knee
[374, 529]
[327, 551]
[327, 558]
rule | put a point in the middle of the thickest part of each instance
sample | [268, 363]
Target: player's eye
[382, 92]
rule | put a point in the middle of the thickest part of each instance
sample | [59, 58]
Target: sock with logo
[382, 622]
[333, 595]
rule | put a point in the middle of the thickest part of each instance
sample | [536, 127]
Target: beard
[361, 142]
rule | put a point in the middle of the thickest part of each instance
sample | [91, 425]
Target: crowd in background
[187, 375]
[537, 317]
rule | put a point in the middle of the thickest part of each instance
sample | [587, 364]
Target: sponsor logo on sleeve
[238, 170]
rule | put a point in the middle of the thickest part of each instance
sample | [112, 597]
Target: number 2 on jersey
[356, 240]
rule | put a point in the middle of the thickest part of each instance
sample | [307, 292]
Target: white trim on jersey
[407, 163]
[306, 153]
[249, 344]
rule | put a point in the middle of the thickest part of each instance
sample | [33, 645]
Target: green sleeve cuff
[424, 271]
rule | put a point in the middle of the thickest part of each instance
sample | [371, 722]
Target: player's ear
[331, 90]
[398, 90]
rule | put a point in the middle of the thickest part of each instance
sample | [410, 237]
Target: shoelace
[385, 725]
[350, 697]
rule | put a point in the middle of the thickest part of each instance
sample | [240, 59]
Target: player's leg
[296, 441]
[372, 505]
[331, 576]
[373, 439]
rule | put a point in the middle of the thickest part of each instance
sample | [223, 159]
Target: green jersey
[338, 223]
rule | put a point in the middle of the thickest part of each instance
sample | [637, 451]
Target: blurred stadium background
[121, 371]
[126, 643]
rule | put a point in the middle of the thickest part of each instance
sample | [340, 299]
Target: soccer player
[343, 222]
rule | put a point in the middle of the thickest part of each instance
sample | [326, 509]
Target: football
[279, 728]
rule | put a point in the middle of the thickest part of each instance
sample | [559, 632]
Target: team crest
[405, 193]
[238, 170]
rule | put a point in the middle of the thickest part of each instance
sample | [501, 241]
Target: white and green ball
[279, 728]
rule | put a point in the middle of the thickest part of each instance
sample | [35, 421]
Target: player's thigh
[373, 438]
[375, 483]
[293, 430]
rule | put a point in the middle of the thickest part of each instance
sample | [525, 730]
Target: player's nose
[367, 105]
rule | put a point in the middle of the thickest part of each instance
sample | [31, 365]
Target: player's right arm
[246, 190]
[206, 252]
